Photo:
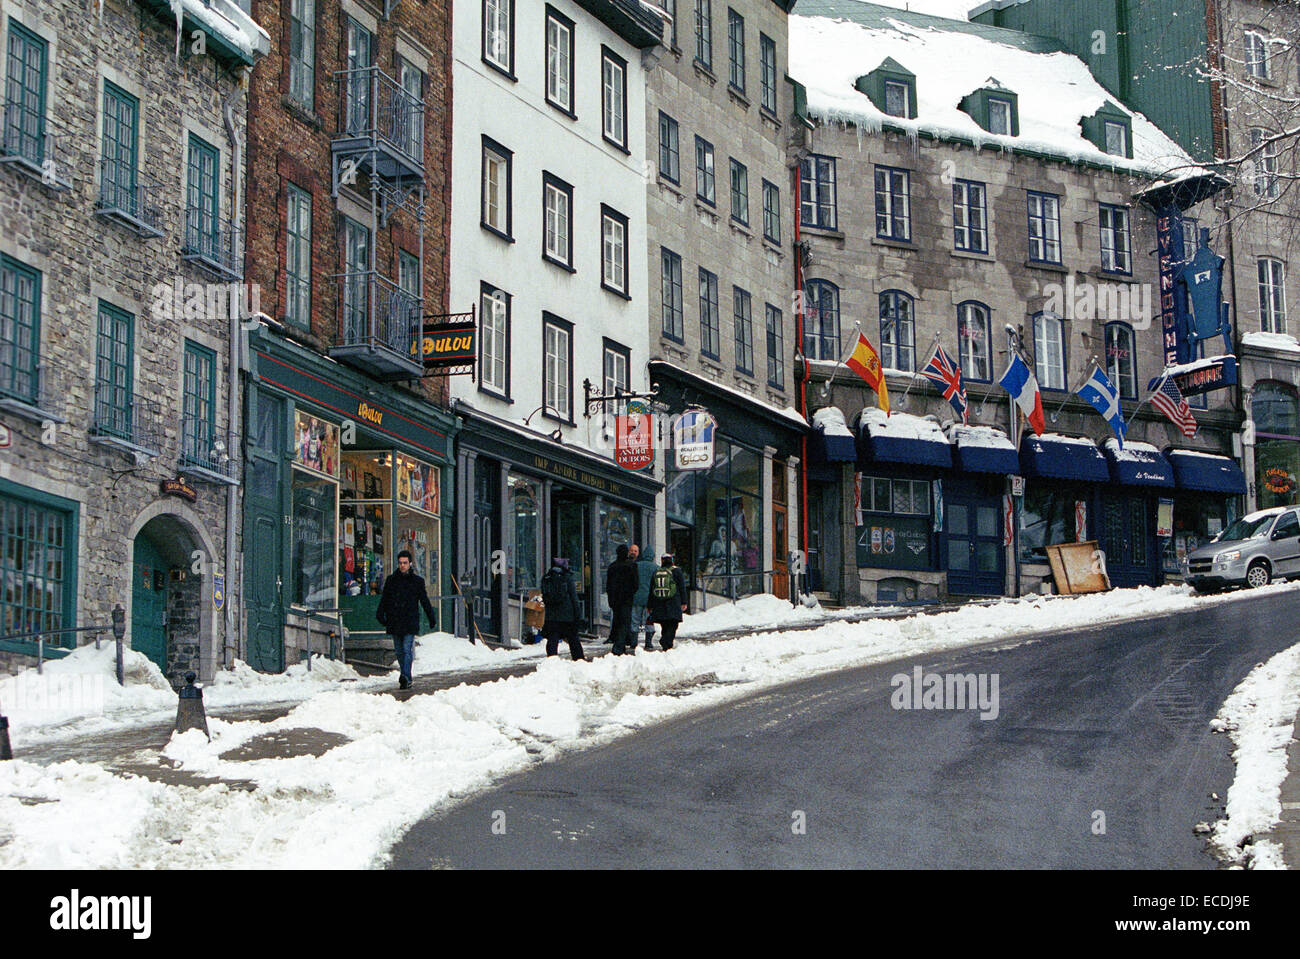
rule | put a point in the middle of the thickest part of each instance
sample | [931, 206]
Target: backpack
[662, 584]
[553, 589]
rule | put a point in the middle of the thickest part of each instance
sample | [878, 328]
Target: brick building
[119, 236]
[348, 199]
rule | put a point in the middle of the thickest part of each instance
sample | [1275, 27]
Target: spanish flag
[866, 364]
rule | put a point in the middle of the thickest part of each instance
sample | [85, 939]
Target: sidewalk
[1287, 832]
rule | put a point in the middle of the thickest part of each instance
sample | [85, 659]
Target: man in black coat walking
[620, 587]
[560, 597]
[399, 613]
[668, 599]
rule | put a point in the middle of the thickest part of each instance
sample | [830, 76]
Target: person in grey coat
[560, 596]
[645, 569]
[668, 599]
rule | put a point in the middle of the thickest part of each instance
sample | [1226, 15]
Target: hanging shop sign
[218, 591]
[449, 344]
[693, 433]
[634, 437]
[178, 487]
[1212, 374]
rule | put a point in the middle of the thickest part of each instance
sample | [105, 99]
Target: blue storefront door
[149, 601]
[976, 558]
[1125, 533]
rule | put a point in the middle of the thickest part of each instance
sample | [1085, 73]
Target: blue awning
[902, 439]
[983, 450]
[1063, 458]
[1138, 467]
[826, 447]
[1206, 472]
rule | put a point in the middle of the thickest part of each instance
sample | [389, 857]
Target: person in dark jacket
[560, 597]
[620, 587]
[668, 599]
[645, 569]
[399, 613]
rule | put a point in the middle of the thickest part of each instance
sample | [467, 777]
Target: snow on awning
[903, 438]
[983, 449]
[1053, 456]
[1138, 464]
[1206, 472]
[832, 440]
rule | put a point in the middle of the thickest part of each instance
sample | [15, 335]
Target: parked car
[1253, 551]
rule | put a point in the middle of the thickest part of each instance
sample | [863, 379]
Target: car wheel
[1258, 574]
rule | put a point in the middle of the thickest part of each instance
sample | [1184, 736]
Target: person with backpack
[560, 596]
[668, 599]
[645, 570]
[620, 588]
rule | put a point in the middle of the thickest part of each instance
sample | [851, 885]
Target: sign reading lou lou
[693, 440]
[448, 344]
[633, 437]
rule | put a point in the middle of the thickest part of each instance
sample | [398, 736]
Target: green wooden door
[149, 601]
[265, 532]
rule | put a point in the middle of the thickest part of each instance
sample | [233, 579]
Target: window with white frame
[739, 192]
[705, 188]
[821, 321]
[817, 192]
[558, 368]
[670, 265]
[1044, 227]
[494, 323]
[670, 164]
[613, 72]
[557, 201]
[767, 72]
[893, 213]
[999, 116]
[1049, 351]
[616, 368]
[736, 49]
[771, 212]
[1116, 138]
[302, 52]
[1272, 295]
[704, 32]
[1121, 359]
[1264, 162]
[297, 256]
[1256, 54]
[1116, 255]
[613, 245]
[498, 34]
[559, 60]
[969, 217]
[897, 331]
[974, 341]
[496, 202]
[898, 97]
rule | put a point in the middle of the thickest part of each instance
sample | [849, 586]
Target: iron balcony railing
[28, 390]
[31, 146]
[376, 108]
[126, 420]
[213, 243]
[209, 455]
[381, 326]
[130, 197]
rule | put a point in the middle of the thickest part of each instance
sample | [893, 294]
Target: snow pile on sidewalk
[406, 758]
[764, 611]
[1260, 718]
[443, 652]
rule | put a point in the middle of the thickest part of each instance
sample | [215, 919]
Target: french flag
[1019, 381]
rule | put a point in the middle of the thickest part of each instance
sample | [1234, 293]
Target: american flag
[1168, 399]
[942, 370]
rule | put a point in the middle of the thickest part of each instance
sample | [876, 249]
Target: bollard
[6, 751]
[189, 710]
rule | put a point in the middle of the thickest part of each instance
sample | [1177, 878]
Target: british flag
[1168, 399]
[942, 370]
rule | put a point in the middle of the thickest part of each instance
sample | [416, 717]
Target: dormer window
[999, 116]
[892, 88]
[897, 98]
[994, 108]
[1116, 138]
[1110, 129]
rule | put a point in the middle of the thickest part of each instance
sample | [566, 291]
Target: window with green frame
[113, 373]
[38, 568]
[200, 403]
[20, 330]
[25, 72]
[297, 266]
[203, 212]
[117, 186]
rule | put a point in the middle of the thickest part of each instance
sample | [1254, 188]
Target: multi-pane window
[671, 294]
[710, 332]
[20, 330]
[559, 60]
[199, 426]
[670, 161]
[893, 214]
[409, 280]
[775, 349]
[772, 212]
[736, 49]
[898, 97]
[1121, 359]
[202, 215]
[557, 203]
[739, 192]
[498, 34]
[1044, 227]
[558, 374]
[409, 119]
[821, 321]
[704, 32]
[1272, 295]
[1265, 162]
[361, 56]
[494, 365]
[117, 186]
[704, 183]
[974, 341]
[613, 246]
[670, 7]
[1049, 351]
[613, 74]
[817, 192]
[113, 372]
[356, 279]
[1256, 54]
[999, 116]
[906, 496]
[302, 52]
[25, 73]
[1191, 236]
[767, 72]
[297, 257]
[1116, 138]
[1116, 254]
[970, 217]
[616, 363]
[742, 311]
[897, 331]
[37, 558]
[496, 214]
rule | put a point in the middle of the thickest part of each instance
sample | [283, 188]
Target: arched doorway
[167, 596]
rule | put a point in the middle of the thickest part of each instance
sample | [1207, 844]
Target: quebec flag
[1105, 400]
[1021, 384]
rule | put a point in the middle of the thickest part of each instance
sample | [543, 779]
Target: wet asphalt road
[1106, 722]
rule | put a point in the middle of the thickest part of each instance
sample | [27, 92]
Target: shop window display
[313, 511]
[524, 543]
[1048, 517]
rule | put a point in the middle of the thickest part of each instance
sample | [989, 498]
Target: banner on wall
[693, 433]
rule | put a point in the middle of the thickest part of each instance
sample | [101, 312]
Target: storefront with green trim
[343, 472]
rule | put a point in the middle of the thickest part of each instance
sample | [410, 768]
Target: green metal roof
[877, 17]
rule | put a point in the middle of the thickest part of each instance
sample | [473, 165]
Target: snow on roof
[1133, 451]
[983, 436]
[788, 412]
[951, 9]
[225, 19]
[901, 426]
[1271, 341]
[1202, 364]
[1204, 453]
[830, 420]
[1062, 438]
[1055, 90]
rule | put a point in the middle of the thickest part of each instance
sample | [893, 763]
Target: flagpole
[1096, 365]
[934, 346]
[1014, 433]
[826, 387]
[1142, 403]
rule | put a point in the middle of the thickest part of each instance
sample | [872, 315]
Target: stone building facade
[119, 238]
